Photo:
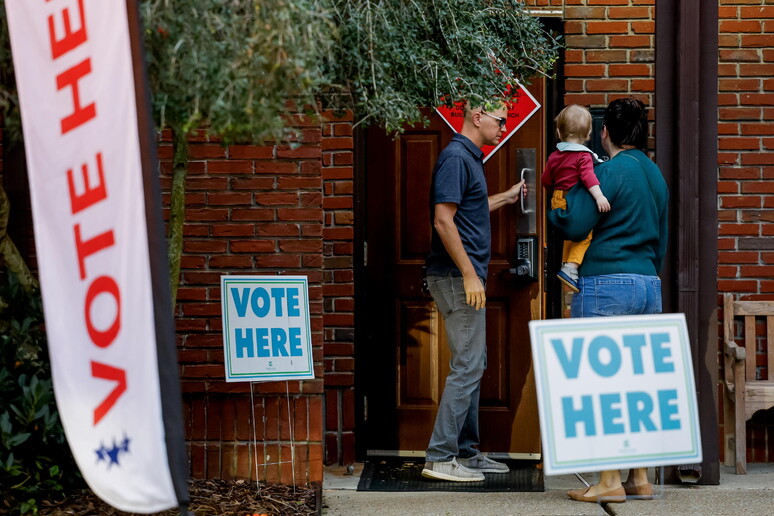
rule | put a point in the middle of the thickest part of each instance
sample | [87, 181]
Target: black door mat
[400, 474]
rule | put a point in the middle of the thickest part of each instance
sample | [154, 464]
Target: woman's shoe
[639, 492]
[617, 495]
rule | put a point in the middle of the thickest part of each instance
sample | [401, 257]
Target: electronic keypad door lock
[526, 258]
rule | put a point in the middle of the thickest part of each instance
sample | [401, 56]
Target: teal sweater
[630, 238]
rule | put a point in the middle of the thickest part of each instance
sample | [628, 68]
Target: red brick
[738, 257]
[302, 151]
[725, 187]
[620, 85]
[737, 286]
[739, 84]
[586, 99]
[728, 40]
[758, 187]
[734, 26]
[192, 262]
[725, 12]
[734, 113]
[756, 158]
[277, 230]
[630, 70]
[280, 260]
[222, 230]
[628, 13]
[206, 151]
[252, 183]
[276, 199]
[607, 27]
[758, 40]
[728, 129]
[272, 167]
[630, 41]
[343, 158]
[756, 12]
[728, 70]
[229, 198]
[740, 55]
[337, 173]
[251, 151]
[230, 262]
[299, 183]
[757, 271]
[739, 173]
[310, 168]
[727, 271]
[644, 85]
[756, 70]
[229, 167]
[576, 70]
[644, 27]
[292, 214]
[204, 246]
[252, 214]
[253, 246]
[586, 13]
[727, 143]
[728, 99]
[301, 246]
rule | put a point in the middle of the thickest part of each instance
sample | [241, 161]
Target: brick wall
[249, 210]
[610, 51]
[339, 288]
[746, 174]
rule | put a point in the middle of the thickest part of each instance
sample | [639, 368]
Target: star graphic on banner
[101, 453]
[113, 454]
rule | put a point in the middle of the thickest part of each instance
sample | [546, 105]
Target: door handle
[524, 210]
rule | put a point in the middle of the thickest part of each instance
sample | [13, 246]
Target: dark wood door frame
[686, 151]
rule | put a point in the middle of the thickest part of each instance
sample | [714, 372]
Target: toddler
[570, 163]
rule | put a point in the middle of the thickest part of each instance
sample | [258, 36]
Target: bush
[35, 461]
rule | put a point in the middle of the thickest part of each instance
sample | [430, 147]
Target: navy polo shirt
[458, 177]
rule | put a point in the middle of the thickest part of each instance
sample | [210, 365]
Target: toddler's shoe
[569, 276]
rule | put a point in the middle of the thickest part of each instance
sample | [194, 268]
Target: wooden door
[407, 359]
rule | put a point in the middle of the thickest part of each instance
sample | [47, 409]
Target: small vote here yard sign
[266, 334]
[615, 392]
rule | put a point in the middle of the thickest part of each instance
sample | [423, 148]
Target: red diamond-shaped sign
[520, 109]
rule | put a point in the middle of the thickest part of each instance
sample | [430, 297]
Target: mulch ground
[209, 497]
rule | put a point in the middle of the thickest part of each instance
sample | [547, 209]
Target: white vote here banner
[75, 70]
[615, 392]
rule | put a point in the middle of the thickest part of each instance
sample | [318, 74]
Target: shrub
[35, 461]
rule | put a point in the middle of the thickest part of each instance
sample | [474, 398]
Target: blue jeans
[455, 433]
[617, 294]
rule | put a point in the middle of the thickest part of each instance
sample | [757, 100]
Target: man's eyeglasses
[501, 121]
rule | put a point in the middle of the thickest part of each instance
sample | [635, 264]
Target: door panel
[407, 357]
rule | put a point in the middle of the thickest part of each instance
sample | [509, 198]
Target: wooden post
[686, 150]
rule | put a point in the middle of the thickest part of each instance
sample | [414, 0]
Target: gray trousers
[455, 433]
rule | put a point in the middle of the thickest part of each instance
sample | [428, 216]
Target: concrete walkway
[747, 495]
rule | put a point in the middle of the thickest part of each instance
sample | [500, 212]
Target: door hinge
[365, 408]
[365, 254]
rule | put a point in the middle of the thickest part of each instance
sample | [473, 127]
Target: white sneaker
[484, 464]
[451, 471]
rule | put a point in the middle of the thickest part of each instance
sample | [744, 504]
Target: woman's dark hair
[626, 121]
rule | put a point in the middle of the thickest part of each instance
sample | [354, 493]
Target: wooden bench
[744, 393]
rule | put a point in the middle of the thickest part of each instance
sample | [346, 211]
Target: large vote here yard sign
[266, 335]
[615, 392]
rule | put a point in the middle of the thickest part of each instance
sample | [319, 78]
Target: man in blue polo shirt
[456, 274]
